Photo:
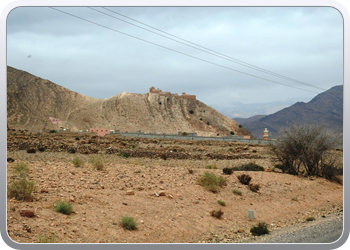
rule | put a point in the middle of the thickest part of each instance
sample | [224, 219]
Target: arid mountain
[325, 109]
[32, 100]
[243, 121]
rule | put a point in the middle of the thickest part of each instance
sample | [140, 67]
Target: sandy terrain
[182, 215]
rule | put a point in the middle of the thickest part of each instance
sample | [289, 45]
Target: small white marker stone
[251, 214]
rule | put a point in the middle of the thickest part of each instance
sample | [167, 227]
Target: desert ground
[155, 182]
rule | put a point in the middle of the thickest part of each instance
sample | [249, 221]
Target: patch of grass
[47, 239]
[21, 169]
[128, 223]
[126, 155]
[244, 179]
[260, 229]
[21, 189]
[211, 182]
[222, 203]
[97, 162]
[310, 219]
[295, 199]
[64, 207]
[216, 214]
[77, 162]
[211, 167]
[237, 192]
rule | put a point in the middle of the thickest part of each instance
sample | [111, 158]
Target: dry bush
[77, 162]
[97, 162]
[306, 147]
[251, 166]
[254, 187]
[260, 229]
[21, 169]
[244, 179]
[21, 189]
[227, 171]
[216, 214]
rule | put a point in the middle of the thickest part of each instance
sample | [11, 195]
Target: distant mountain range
[326, 108]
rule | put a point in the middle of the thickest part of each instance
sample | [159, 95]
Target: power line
[203, 60]
[223, 56]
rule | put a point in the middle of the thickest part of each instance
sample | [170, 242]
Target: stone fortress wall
[167, 94]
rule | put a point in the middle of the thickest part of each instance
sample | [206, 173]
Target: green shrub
[184, 134]
[53, 131]
[310, 218]
[240, 126]
[208, 123]
[97, 162]
[77, 162]
[191, 111]
[244, 179]
[128, 223]
[211, 182]
[21, 169]
[237, 192]
[211, 167]
[232, 133]
[21, 189]
[222, 203]
[260, 229]
[64, 207]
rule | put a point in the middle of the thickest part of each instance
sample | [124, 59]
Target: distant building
[55, 120]
[100, 131]
[266, 134]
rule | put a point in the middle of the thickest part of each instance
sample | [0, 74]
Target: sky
[98, 55]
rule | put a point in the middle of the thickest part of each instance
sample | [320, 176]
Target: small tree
[307, 147]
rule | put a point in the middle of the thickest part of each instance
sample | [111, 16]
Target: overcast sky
[302, 43]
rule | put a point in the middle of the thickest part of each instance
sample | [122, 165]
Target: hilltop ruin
[167, 94]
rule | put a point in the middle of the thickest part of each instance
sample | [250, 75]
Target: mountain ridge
[32, 100]
[326, 108]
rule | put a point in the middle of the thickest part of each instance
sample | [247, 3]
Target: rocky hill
[32, 100]
[326, 108]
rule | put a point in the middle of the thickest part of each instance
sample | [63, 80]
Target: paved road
[321, 231]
